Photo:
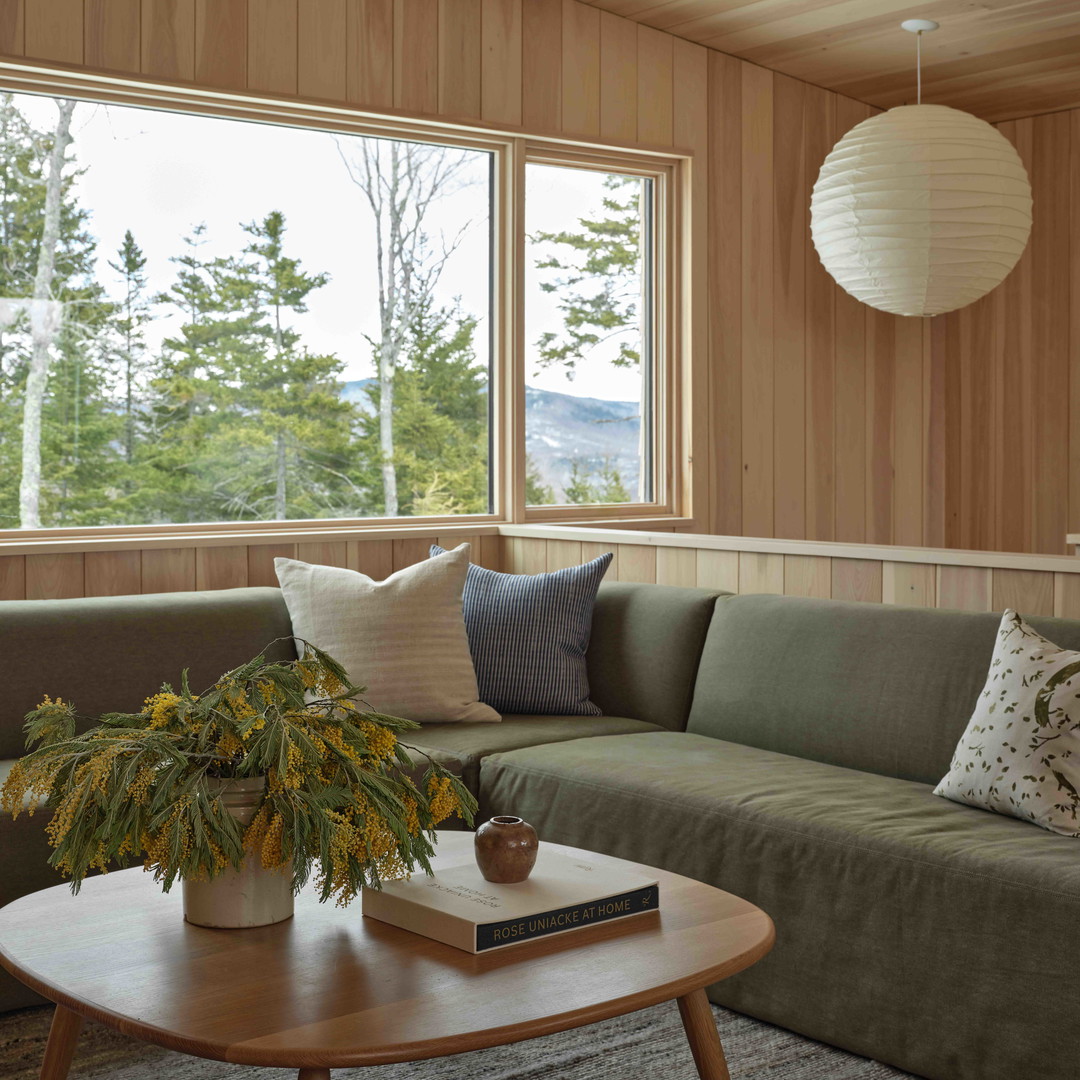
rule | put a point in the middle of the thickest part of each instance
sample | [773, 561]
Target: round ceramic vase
[506, 849]
[250, 896]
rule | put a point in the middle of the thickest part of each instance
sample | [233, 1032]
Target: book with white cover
[458, 907]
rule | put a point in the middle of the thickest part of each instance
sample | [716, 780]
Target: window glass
[589, 365]
[206, 320]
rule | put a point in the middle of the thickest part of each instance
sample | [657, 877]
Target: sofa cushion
[528, 634]
[108, 653]
[888, 902]
[875, 687]
[645, 646]
[471, 743]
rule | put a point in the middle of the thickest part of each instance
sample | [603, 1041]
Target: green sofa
[784, 749]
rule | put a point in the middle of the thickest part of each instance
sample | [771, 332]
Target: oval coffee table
[332, 989]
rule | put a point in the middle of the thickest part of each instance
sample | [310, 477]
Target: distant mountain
[562, 428]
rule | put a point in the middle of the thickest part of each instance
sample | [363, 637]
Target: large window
[216, 319]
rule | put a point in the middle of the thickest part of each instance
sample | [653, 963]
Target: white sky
[161, 173]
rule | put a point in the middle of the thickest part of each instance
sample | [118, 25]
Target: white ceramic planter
[250, 896]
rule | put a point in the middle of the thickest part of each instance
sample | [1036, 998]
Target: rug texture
[648, 1044]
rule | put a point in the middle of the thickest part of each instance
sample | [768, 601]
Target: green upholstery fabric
[107, 653]
[471, 743]
[875, 687]
[937, 937]
[644, 650]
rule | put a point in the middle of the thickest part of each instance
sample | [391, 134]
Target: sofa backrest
[644, 650]
[876, 687]
[108, 653]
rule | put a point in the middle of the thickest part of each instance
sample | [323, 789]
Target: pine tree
[133, 314]
[590, 487]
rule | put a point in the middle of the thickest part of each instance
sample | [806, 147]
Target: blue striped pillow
[528, 634]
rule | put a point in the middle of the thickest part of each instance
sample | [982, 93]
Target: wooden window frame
[511, 150]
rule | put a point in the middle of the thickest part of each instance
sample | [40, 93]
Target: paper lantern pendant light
[921, 210]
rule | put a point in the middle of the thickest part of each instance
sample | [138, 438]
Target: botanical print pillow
[1019, 754]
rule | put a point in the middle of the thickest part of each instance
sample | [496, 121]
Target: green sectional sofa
[784, 749]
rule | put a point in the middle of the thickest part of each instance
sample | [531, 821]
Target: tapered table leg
[60, 1049]
[704, 1039]
[314, 1074]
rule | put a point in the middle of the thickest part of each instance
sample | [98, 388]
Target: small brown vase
[506, 849]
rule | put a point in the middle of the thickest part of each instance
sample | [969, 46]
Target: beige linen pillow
[1019, 755]
[403, 638]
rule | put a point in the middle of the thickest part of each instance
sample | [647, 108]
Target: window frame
[511, 151]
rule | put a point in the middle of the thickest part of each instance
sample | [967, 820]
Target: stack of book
[458, 907]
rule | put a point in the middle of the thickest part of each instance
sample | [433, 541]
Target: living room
[650, 419]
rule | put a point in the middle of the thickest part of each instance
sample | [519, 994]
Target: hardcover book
[458, 907]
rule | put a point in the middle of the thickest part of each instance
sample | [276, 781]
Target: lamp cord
[918, 67]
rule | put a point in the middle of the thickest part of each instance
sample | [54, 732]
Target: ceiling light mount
[920, 26]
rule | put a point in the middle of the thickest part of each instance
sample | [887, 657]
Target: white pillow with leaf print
[1020, 754]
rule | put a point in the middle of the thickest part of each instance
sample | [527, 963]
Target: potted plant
[243, 791]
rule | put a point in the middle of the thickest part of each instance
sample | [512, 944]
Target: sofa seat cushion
[471, 743]
[887, 901]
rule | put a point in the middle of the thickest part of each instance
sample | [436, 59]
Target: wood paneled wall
[813, 415]
[64, 575]
[963, 581]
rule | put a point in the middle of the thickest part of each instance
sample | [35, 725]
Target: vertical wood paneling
[761, 572]
[857, 579]
[909, 584]
[717, 570]
[501, 61]
[1050, 304]
[168, 570]
[326, 553]
[541, 65]
[416, 55]
[676, 566]
[54, 30]
[112, 573]
[411, 551]
[12, 577]
[1030, 592]
[850, 360]
[591, 551]
[807, 575]
[1074, 321]
[725, 286]
[221, 43]
[372, 557]
[655, 105]
[966, 588]
[489, 553]
[12, 27]
[369, 61]
[819, 110]
[54, 577]
[563, 553]
[261, 562]
[1067, 596]
[272, 40]
[580, 69]
[168, 39]
[880, 418]
[322, 49]
[757, 301]
[460, 33]
[907, 474]
[111, 34]
[790, 225]
[691, 113]
[221, 567]
[618, 77]
[637, 562]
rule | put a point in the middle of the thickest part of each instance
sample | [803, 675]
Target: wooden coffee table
[330, 989]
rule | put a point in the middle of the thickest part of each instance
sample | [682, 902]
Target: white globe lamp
[922, 209]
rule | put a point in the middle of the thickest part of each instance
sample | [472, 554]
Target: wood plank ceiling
[999, 59]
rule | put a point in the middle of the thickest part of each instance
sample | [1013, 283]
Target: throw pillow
[403, 638]
[1018, 754]
[528, 634]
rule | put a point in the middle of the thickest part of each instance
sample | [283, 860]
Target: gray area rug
[648, 1044]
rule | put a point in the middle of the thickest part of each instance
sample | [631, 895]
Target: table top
[330, 988]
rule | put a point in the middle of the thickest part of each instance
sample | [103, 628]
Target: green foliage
[595, 270]
[589, 487]
[340, 799]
